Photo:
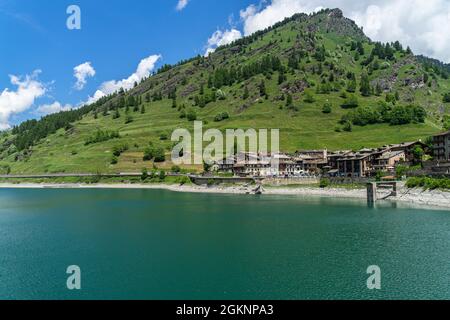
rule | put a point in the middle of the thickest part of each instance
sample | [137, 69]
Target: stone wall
[347, 180]
[199, 180]
[290, 181]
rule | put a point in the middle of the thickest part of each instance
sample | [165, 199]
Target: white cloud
[13, 102]
[97, 96]
[145, 67]
[81, 73]
[256, 19]
[423, 25]
[221, 38]
[53, 108]
[250, 11]
[182, 4]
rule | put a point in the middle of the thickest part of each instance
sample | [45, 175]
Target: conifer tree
[365, 88]
[351, 86]
[360, 48]
[246, 93]
[289, 100]
[116, 114]
[281, 77]
[262, 88]
[378, 89]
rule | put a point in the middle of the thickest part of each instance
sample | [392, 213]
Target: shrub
[148, 154]
[401, 171]
[348, 126]
[176, 169]
[446, 121]
[163, 136]
[326, 108]
[324, 183]
[184, 180]
[220, 95]
[222, 116]
[119, 149]
[379, 175]
[363, 116]
[418, 114]
[384, 113]
[116, 114]
[418, 154]
[350, 102]
[101, 136]
[144, 175]
[428, 183]
[159, 155]
[114, 160]
[385, 65]
[400, 115]
[96, 178]
[162, 175]
[309, 98]
[6, 169]
[128, 119]
[191, 115]
[446, 98]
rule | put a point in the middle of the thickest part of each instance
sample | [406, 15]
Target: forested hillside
[317, 78]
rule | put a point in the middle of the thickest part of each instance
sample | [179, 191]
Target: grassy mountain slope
[312, 76]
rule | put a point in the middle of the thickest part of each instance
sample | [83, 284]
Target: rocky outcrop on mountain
[296, 86]
[336, 22]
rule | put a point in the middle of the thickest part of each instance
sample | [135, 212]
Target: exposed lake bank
[432, 198]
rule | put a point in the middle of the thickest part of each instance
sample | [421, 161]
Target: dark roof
[355, 157]
[310, 151]
[389, 155]
[442, 134]
[405, 144]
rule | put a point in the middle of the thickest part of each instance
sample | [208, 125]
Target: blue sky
[116, 35]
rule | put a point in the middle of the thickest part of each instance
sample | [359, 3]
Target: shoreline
[427, 198]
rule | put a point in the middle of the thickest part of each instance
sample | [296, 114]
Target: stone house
[441, 146]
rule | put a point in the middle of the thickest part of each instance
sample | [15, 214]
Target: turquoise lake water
[154, 244]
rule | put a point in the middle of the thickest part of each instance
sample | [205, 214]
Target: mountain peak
[333, 20]
[336, 13]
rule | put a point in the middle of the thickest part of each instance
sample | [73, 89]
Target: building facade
[364, 163]
[441, 146]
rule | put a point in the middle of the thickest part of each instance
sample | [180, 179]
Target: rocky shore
[435, 198]
[428, 198]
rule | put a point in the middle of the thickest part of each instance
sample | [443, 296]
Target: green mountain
[317, 78]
